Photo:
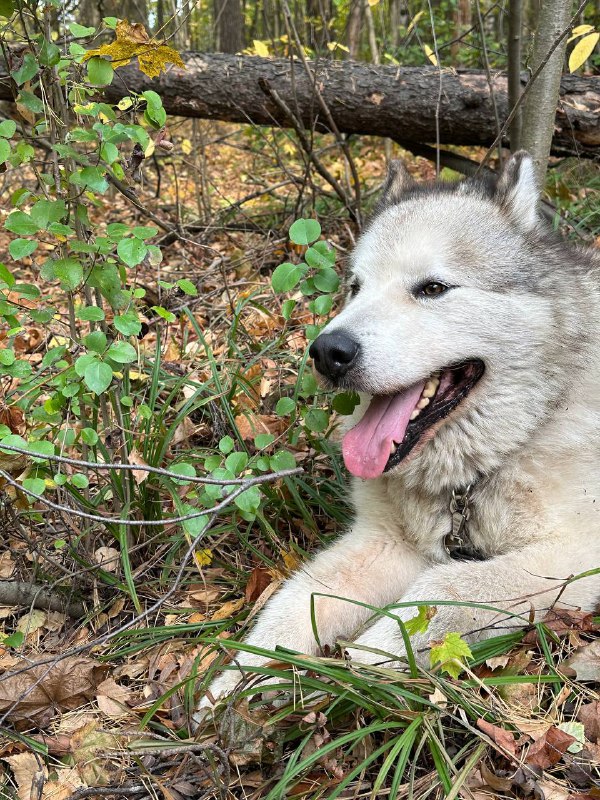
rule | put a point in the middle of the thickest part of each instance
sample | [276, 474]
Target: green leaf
[89, 436]
[263, 440]
[6, 275]
[326, 280]
[282, 460]
[285, 406]
[27, 70]
[109, 152]
[100, 71]
[305, 231]
[46, 211]
[80, 31]
[17, 638]
[21, 223]
[90, 314]
[117, 230]
[420, 623]
[7, 357]
[162, 312]
[345, 403]
[30, 102]
[8, 128]
[183, 469]
[286, 276]
[131, 251]
[320, 256]
[144, 232]
[4, 150]
[187, 287]
[83, 362]
[80, 480]
[7, 8]
[316, 420]
[49, 54]
[35, 485]
[287, 308]
[450, 654]
[128, 324]
[321, 305]
[90, 177]
[98, 376]
[68, 271]
[21, 248]
[236, 462]
[96, 341]
[110, 22]
[226, 444]
[249, 501]
[122, 352]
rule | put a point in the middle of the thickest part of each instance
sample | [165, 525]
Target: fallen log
[395, 102]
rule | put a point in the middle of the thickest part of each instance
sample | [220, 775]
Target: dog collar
[457, 542]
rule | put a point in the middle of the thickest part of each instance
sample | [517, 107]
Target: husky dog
[472, 334]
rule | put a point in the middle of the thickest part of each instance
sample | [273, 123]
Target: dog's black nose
[333, 354]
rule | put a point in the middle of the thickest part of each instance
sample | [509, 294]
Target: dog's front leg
[364, 566]
[515, 585]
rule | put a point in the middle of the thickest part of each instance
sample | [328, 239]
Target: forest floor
[88, 709]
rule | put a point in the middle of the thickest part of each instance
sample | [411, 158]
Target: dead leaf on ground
[29, 773]
[503, 738]
[589, 715]
[45, 689]
[563, 621]
[113, 699]
[7, 565]
[585, 662]
[228, 609]
[139, 475]
[259, 579]
[90, 745]
[549, 748]
[108, 558]
[31, 622]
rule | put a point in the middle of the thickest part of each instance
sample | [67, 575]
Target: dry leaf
[29, 773]
[112, 699]
[549, 748]
[90, 745]
[503, 738]
[589, 715]
[108, 558]
[132, 41]
[260, 578]
[7, 564]
[31, 622]
[44, 689]
[228, 609]
[139, 475]
[585, 662]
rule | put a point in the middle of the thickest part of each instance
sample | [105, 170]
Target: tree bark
[394, 102]
[229, 26]
[514, 70]
[540, 105]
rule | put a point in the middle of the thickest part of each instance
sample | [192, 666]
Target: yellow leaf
[580, 30]
[186, 147]
[582, 51]
[414, 21]
[203, 557]
[133, 41]
[430, 55]
[149, 151]
[337, 46]
[373, 3]
[124, 103]
[228, 610]
[261, 49]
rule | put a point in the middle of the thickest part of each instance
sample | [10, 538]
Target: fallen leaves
[585, 662]
[549, 748]
[503, 738]
[35, 693]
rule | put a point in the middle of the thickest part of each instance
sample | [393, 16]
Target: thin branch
[21, 593]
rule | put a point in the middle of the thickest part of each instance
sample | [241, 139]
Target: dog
[472, 334]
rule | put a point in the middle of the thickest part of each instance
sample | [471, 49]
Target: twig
[108, 791]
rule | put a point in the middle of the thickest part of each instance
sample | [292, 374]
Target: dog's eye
[431, 289]
[354, 288]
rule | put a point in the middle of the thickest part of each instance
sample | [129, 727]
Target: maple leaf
[133, 42]
[450, 653]
[420, 623]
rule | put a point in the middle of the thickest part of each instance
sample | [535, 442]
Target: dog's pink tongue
[366, 447]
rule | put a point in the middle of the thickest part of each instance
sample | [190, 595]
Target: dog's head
[452, 301]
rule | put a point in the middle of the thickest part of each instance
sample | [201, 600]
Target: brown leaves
[41, 691]
[549, 748]
[133, 42]
[585, 662]
[503, 738]
[589, 715]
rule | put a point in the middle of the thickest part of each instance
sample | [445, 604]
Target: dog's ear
[517, 190]
[397, 182]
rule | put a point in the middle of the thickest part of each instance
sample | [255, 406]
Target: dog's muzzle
[334, 354]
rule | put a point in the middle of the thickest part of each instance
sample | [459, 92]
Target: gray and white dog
[472, 334]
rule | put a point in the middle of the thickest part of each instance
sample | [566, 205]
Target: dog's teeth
[393, 448]
[423, 402]
[431, 387]
[415, 413]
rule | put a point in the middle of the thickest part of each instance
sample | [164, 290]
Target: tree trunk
[514, 71]
[384, 101]
[539, 108]
[354, 28]
[229, 26]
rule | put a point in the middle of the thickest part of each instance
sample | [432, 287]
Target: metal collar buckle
[456, 542]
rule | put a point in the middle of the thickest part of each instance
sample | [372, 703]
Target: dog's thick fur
[527, 437]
